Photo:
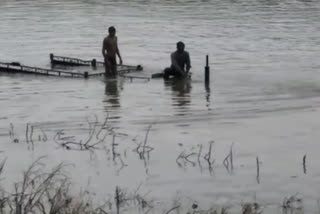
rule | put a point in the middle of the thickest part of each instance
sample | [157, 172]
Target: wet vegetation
[51, 192]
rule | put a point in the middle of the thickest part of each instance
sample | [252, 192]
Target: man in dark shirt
[180, 63]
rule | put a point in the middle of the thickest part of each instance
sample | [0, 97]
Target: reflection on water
[208, 93]
[181, 98]
[112, 92]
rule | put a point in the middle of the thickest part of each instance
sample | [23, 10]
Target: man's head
[180, 46]
[112, 31]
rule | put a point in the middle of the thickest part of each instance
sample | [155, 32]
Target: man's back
[180, 59]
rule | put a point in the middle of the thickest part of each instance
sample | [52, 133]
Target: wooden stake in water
[94, 63]
[207, 71]
[117, 199]
[304, 164]
[258, 170]
[51, 57]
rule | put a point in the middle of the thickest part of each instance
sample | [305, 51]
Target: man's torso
[110, 44]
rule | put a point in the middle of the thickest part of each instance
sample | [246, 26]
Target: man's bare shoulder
[106, 39]
[109, 39]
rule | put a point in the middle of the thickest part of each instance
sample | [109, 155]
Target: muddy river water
[263, 100]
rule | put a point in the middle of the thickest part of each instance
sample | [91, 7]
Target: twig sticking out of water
[146, 139]
[44, 137]
[31, 138]
[35, 187]
[207, 157]
[251, 208]
[125, 199]
[116, 155]
[29, 133]
[90, 143]
[113, 145]
[199, 155]
[186, 159]
[173, 208]
[46, 193]
[12, 134]
[104, 126]
[2, 165]
[228, 160]
[304, 164]
[32, 130]
[224, 210]
[117, 199]
[181, 155]
[292, 203]
[70, 143]
[141, 200]
[258, 170]
[92, 128]
[143, 149]
[231, 157]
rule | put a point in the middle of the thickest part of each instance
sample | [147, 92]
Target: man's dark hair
[111, 29]
[180, 44]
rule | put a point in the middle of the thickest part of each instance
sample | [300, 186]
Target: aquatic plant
[186, 157]
[228, 160]
[251, 208]
[44, 192]
[142, 148]
[292, 203]
[96, 135]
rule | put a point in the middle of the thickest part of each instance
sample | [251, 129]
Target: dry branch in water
[258, 170]
[291, 204]
[2, 166]
[143, 149]
[30, 132]
[184, 158]
[44, 193]
[31, 192]
[251, 208]
[228, 160]
[207, 157]
[304, 164]
[12, 134]
[96, 135]
[173, 208]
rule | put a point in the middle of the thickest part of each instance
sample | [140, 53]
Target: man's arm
[118, 51]
[188, 62]
[104, 48]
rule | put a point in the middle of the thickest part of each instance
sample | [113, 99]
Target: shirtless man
[180, 63]
[109, 51]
